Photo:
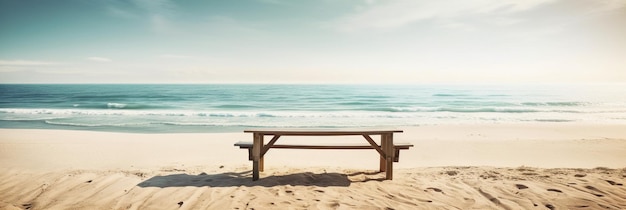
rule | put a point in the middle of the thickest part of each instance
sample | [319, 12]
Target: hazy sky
[312, 41]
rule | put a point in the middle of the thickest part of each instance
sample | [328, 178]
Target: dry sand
[487, 166]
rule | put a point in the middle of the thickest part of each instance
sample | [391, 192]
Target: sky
[313, 41]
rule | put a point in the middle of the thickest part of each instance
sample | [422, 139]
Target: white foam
[116, 105]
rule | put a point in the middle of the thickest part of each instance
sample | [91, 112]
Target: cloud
[7, 66]
[161, 24]
[604, 6]
[158, 13]
[610, 4]
[99, 59]
[137, 8]
[59, 71]
[26, 63]
[229, 25]
[161, 7]
[174, 56]
[395, 14]
[271, 1]
[122, 13]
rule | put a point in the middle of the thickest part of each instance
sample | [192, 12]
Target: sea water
[232, 108]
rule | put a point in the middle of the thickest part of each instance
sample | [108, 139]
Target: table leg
[383, 159]
[262, 156]
[389, 153]
[256, 156]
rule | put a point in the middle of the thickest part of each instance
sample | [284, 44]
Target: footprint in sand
[521, 186]
[555, 190]
[592, 188]
[452, 173]
[334, 205]
[595, 189]
[614, 183]
[530, 174]
[580, 175]
[435, 189]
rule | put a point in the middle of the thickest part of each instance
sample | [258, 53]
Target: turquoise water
[227, 108]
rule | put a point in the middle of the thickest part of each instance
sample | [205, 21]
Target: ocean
[167, 108]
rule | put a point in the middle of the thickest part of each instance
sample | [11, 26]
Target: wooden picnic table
[386, 148]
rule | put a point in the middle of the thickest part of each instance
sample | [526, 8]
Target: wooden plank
[389, 152]
[256, 155]
[399, 145]
[287, 146]
[269, 145]
[396, 157]
[383, 159]
[262, 159]
[374, 145]
[322, 132]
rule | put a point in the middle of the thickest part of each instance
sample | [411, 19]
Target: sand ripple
[316, 188]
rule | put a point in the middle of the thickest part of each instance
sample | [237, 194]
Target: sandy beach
[138, 104]
[478, 166]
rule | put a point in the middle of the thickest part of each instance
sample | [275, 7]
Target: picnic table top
[322, 131]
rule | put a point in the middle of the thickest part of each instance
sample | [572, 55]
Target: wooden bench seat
[397, 147]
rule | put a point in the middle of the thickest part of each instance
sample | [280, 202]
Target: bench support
[257, 159]
[269, 145]
[374, 145]
[383, 159]
[387, 144]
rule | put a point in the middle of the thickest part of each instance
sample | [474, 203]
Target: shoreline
[483, 166]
